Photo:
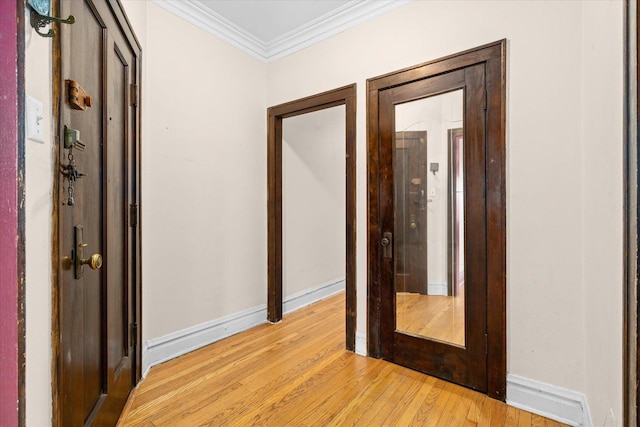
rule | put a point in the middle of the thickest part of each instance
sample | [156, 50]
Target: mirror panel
[429, 217]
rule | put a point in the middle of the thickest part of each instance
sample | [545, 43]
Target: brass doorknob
[94, 261]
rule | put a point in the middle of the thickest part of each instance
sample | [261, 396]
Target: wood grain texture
[297, 373]
[434, 316]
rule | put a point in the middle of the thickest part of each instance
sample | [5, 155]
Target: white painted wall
[602, 208]
[204, 169]
[313, 200]
[552, 241]
[203, 177]
[38, 209]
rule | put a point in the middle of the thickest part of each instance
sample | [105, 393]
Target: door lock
[387, 246]
[94, 261]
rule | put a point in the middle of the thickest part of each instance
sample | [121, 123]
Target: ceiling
[271, 29]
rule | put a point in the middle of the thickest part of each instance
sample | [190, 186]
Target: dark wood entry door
[98, 305]
[411, 215]
[458, 337]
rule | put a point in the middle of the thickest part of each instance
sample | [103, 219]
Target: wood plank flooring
[297, 373]
[434, 316]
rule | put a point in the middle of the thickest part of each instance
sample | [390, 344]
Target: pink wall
[11, 244]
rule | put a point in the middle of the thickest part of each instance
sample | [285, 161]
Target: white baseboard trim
[560, 404]
[361, 343]
[170, 346]
[437, 289]
[309, 296]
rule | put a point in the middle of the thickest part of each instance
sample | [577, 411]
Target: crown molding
[332, 23]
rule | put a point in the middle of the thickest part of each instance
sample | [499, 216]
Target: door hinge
[133, 215]
[486, 344]
[134, 334]
[484, 100]
[133, 88]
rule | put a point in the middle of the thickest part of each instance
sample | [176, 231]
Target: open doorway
[346, 97]
[313, 206]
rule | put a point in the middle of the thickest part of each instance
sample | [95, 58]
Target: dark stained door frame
[493, 56]
[453, 215]
[132, 158]
[12, 213]
[342, 96]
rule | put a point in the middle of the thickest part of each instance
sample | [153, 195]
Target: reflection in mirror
[429, 217]
[313, 200]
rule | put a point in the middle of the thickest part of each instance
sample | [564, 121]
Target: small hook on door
[40, 21]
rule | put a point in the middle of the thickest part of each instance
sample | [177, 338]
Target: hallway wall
[564, 151]
[203, 176]
[38, 210]
[204, 169]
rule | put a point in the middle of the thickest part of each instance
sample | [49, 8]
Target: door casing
[493, 55]
[341, 96]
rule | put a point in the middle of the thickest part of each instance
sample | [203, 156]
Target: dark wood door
[97, 215]
[432, 331]
[410, 211]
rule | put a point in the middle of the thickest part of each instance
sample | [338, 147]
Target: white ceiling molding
[332, 23]
[195, 13]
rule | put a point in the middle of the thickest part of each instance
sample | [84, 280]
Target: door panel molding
[342, 96]
[492, 56]
[121, 38]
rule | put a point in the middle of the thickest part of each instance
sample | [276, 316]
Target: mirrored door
[434, 300]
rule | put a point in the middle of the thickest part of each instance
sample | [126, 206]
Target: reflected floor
[434, 316]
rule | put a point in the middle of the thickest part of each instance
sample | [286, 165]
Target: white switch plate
[35, 120]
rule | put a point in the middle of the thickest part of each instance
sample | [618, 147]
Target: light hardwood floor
[297, 373]
[434, 316]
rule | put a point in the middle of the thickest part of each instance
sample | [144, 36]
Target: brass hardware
[40, 21]
[70, 171]
[94, 261]
[133, 215]
[387, 247]
[133, 94]
[67, 262]
[78, 98]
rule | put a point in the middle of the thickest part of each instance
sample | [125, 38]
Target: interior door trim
[493, 55]
[341, 96]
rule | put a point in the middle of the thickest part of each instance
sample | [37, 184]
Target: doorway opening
[345, 96]
[313, 206]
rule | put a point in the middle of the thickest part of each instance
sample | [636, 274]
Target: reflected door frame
[341, 96]
[455, 267]
[493, 57]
